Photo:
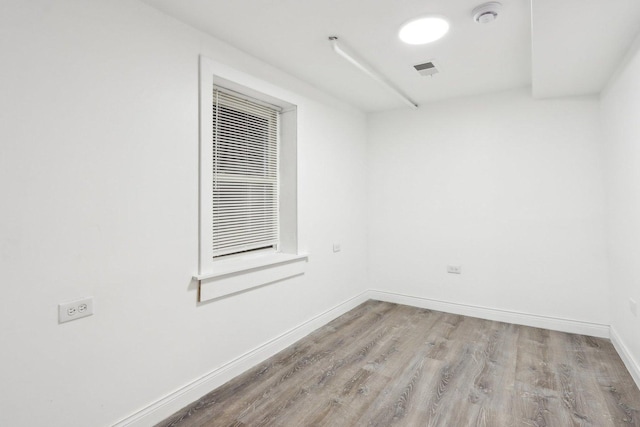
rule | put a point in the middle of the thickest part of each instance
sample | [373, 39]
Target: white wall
[98, 177]
[620, 105]
[508, 187]
[99, 185]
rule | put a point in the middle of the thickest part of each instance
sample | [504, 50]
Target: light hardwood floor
[384, 364]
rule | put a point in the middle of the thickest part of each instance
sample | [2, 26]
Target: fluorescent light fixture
[423, 30]
[369, 71]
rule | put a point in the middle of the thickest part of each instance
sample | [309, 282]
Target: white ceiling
[577, 44]
[573, 51]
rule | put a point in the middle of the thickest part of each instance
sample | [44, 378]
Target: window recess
[248, 183]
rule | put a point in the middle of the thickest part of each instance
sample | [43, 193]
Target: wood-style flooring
[384, 364]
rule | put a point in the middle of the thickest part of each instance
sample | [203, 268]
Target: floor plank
[384, 364]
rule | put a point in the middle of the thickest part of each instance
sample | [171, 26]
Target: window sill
[238, 275]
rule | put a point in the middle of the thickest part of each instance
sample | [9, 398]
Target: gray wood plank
[385, 364]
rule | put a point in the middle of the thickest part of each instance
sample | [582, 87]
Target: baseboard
[632, 364]
[518, 318]
[191, 392]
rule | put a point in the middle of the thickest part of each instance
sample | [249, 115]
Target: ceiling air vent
[426, 69]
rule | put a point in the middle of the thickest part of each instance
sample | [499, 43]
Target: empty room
[306, 213]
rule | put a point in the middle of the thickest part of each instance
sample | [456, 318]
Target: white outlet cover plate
[454, 269]
[73, 310]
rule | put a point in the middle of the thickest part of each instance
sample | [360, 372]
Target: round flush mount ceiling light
[423, 30]
[486, 13]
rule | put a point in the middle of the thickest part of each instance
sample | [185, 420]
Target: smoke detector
[486, 13]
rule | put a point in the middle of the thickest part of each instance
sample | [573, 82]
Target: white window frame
[229, 274]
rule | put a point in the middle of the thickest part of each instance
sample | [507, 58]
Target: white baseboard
[518, 318]
[632, 364]
[191, 392]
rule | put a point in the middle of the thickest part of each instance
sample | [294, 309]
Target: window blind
[245, 174]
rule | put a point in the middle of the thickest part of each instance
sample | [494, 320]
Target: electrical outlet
[454, 269]
[633, 307]
[337, 247]
[73, 310]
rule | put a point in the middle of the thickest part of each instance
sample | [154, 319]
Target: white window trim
[219, 275]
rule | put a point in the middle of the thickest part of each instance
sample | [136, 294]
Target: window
[245, 174]
[248, 183]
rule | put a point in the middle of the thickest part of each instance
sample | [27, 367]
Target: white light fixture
[423, 30]
[369, 70]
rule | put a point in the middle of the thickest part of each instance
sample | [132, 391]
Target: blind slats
[245, 174]
[230, 239]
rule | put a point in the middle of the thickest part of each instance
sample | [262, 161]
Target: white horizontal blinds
[245, 174]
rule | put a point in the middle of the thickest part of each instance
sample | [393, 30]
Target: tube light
[369, 71]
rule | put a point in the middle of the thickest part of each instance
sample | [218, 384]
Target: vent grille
[426, 69]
